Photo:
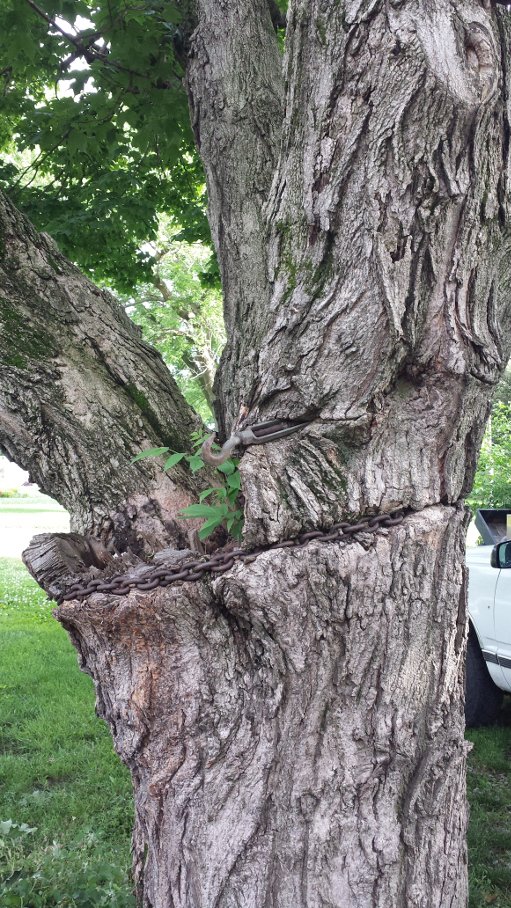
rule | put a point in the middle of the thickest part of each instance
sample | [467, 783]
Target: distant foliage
[95, 138]
[180, 313]
[503, 392]
[492, 483]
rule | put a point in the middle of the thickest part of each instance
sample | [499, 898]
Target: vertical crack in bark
[389, 262]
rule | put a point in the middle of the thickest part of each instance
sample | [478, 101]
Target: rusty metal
[257, 434]
[263, 432]
[195, 569]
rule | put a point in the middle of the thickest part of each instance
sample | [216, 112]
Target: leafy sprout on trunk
[219, 505]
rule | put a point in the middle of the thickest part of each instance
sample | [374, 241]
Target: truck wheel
[482, 696]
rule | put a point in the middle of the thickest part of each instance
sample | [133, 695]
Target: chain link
[159, 575]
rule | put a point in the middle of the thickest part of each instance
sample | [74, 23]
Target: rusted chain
[219, 563]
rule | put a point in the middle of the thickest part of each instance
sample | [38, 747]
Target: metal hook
[258, 434]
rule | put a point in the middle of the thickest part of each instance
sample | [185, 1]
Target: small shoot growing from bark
[224, 508]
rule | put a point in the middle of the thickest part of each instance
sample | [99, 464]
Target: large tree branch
[235, 87]
[81, 394]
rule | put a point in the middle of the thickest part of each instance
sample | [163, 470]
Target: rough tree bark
[295, 728]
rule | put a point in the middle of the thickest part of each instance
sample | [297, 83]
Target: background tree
[294, 728]
[180, 312]
[93, 101]
[492, 482]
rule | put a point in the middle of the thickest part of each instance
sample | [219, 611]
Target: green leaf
[204, 510]
[227, 468]
[173, 460]
[234, 481]
[195, 463]
[234, 524]
[209, 527]
[205, 494]
[199, 437]
[151, 452]
[11, 900]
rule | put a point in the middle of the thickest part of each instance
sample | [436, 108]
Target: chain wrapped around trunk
[196, 569]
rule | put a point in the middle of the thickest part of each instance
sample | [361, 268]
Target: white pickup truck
[488, 673]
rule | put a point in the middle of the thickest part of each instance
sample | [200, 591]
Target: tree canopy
[95, 133]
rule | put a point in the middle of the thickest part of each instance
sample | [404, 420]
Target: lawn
[65, 799]
[24, 517]
[489, 792]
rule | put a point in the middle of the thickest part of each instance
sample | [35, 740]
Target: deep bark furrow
[385, 205]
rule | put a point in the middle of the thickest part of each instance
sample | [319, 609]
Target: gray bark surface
[295, 729]
[389, 260]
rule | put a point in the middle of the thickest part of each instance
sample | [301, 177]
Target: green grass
[13, 510]
[65, 798]
[489, 791]
[32, 504]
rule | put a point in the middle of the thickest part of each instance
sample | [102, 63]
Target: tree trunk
[293, 741]
[236, 89]
[294, 729]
